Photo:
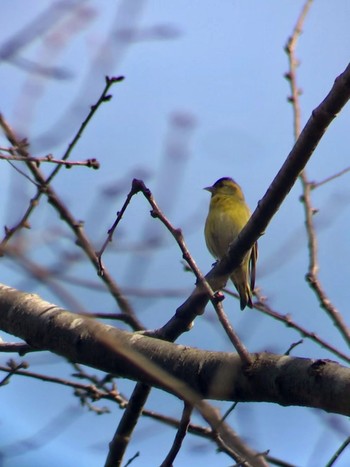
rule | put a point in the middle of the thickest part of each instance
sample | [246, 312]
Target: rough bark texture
[213, 375]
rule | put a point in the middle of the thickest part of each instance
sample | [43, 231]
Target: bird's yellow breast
[227, 217]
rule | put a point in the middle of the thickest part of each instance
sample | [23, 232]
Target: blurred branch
[105, 57]
[44, 275]
[42, 23]
[129, 291]
[312, 274]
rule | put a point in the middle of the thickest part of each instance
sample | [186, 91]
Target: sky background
[203, 97]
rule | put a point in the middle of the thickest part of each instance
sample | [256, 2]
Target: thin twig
[216, 299]
[232, 335]
[13, 368]
[180, 436]
[315, 185]
[104, 97]
[140, 394]
[312, 274]
[131, 460]
[262, 306]
[76, 226]
[93, 163]
[95, 393]
[292, 346]
[20, 147]
[139, 186]
[338, 452]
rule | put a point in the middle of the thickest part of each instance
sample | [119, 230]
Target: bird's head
[225, 186]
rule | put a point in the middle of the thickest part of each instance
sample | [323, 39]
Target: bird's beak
[209, 188]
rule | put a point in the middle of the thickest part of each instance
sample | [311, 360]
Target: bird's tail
[240, 280]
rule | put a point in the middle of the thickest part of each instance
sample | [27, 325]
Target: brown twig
[96, 393]
[20, 148]
[292, 346]
[315, 185]
[302, 151]
[104, 97]
[180, 436]
[293, 64]
[141, 392]
[262, 306]
[92, 163]
[76, 226]
[134, 190]
[215, 299]
[139, 186]
[312, 274]
[232, 335]
[13, 368]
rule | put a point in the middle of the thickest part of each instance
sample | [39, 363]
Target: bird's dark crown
[221, 181]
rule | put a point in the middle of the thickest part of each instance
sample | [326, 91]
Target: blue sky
[209, 75]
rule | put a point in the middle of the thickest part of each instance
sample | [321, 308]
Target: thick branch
[212, 375]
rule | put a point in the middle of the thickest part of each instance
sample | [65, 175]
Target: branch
[104, 97]
[91, 163]
[76, 226]
[212, 375]
[216, 299]
[20, 148]
[302, 151]
[312, 274]
[85, 341]
[180, 436]
[265, 308]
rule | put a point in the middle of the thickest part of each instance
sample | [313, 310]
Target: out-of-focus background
[204, 96]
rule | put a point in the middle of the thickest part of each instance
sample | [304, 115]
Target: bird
[228, 214]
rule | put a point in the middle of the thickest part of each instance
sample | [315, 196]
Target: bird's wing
[252, 265]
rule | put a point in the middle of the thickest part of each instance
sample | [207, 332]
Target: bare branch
[265, 308]
[104, 97]
[180, 436]
[215, 375]
[312, 274]
[91, 163]
[75, 225]
[302, 151]
[315, 185]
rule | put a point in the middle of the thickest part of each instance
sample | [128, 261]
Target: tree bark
[273, 378]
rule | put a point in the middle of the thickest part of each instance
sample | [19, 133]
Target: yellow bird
[228, 214]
